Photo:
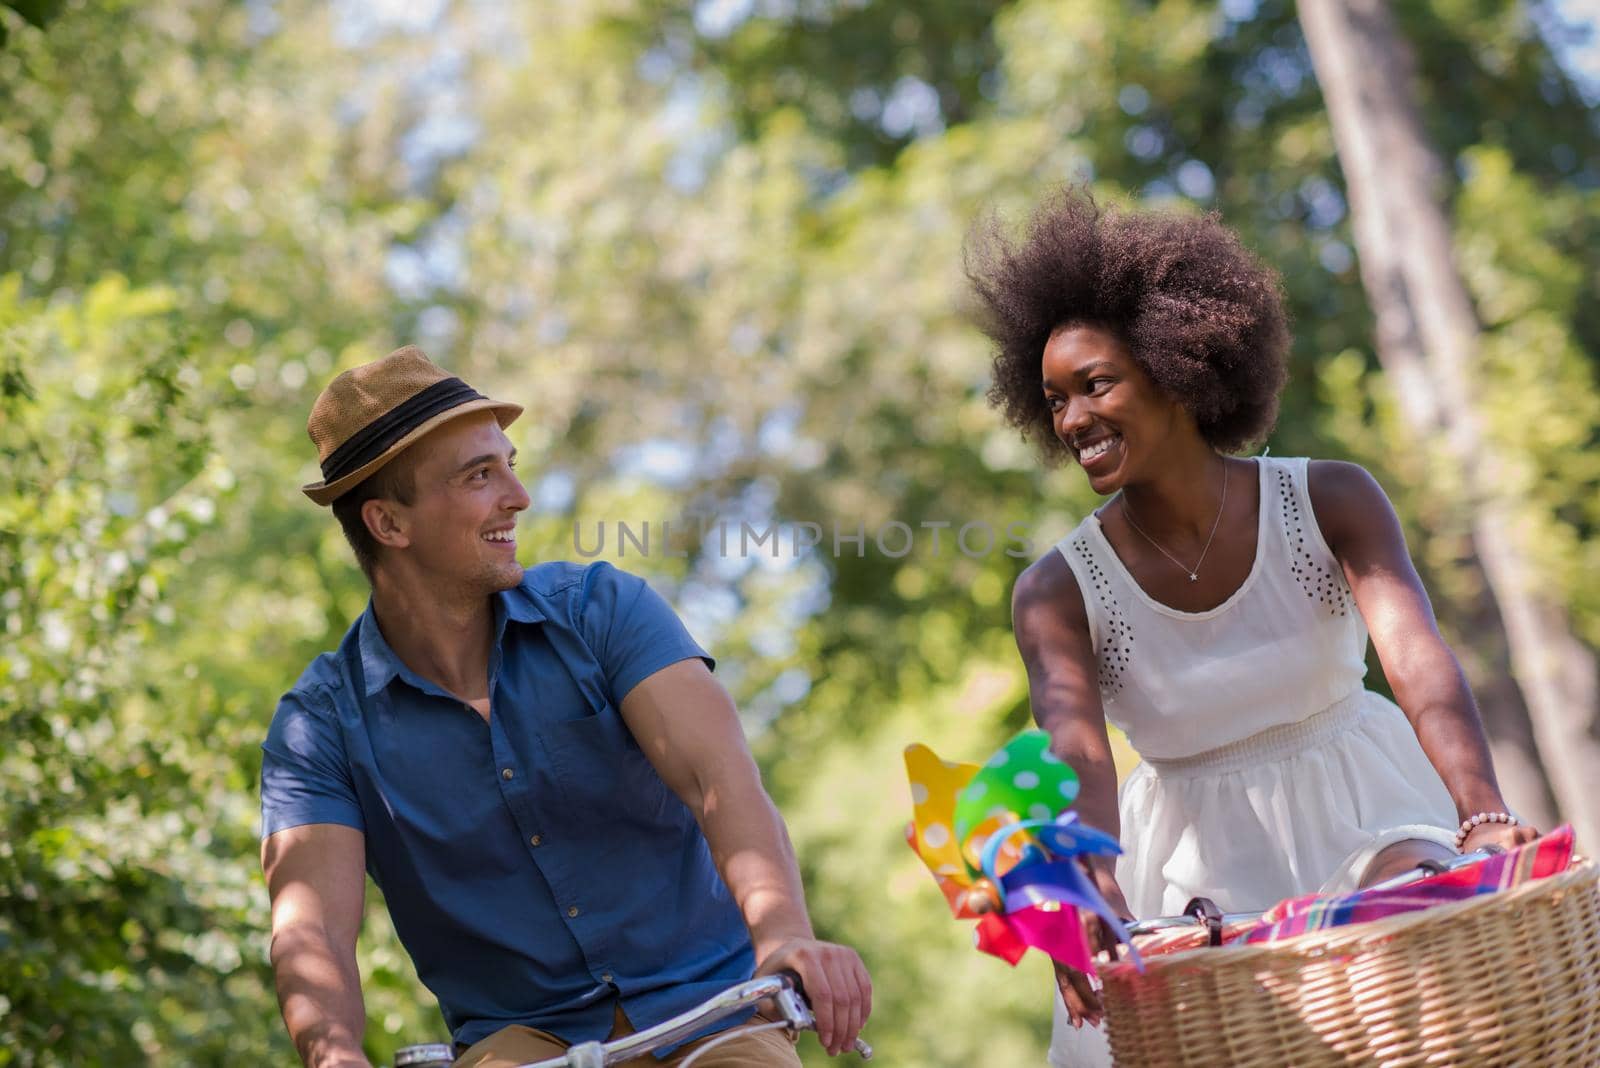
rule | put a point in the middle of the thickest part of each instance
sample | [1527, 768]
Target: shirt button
[507, 773]
[536, 839]
[605, 977]
[572, 912]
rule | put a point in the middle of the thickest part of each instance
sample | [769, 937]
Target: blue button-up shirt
[535, 866]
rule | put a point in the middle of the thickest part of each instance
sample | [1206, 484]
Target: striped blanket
[1539, 859]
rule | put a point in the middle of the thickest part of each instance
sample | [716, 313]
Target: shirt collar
[379, 664]
[517, 604]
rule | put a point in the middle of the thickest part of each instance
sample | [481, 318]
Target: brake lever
[793, 1004]
[796, 1009]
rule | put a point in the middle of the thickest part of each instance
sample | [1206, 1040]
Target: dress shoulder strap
[1109, 628]
[1312, 563]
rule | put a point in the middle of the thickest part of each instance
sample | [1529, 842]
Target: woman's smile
[1101, 453]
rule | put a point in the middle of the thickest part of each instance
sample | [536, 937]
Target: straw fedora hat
[370, 413]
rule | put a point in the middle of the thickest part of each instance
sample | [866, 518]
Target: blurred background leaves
[716, 249]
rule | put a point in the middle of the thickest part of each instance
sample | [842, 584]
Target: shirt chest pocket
[604, 776]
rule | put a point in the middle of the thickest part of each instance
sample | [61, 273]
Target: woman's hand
[1079, 990]
[1504, 835]
[1082, 996]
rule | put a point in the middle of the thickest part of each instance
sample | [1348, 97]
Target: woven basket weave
[1510, 978]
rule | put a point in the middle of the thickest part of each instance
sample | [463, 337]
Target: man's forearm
[319, 990]
[752, 851]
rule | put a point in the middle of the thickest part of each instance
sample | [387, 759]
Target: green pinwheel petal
[1023, 779]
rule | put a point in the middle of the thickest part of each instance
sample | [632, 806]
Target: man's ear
[387, 523]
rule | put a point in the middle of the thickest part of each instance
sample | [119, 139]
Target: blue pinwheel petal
[1072, 838]
[1062, 881]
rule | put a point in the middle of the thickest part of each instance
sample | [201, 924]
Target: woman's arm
[1052, 632]
[1360, 526]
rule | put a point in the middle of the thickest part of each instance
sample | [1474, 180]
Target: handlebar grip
[794, 980]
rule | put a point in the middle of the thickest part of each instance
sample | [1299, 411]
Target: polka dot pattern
[1321, 580]
[1116, 636]
[957, 809]
[1004, 789]
[934, 785]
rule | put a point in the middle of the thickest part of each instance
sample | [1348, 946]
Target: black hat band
[374, 439]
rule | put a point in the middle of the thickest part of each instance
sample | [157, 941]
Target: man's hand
[836, 984]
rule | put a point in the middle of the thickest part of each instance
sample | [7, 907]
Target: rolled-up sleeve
[304, 775]
[632, 629]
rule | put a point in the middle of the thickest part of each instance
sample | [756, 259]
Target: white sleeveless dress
[1269, 770]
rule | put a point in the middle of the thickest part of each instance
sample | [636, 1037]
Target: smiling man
[536, 767]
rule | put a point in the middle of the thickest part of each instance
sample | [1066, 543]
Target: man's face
[460, 526]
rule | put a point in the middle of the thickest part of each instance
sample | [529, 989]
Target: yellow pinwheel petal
[934, 785]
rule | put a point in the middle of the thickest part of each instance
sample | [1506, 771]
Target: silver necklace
[1192, 572]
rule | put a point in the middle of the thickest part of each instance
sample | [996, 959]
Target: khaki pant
[516, 1045]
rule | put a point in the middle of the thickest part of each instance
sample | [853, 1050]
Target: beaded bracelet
[1471, 823]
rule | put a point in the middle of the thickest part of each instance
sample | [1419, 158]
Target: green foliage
[659, 235]
[1528, 252]
[127, 922]
[869, 77]
[35, 12]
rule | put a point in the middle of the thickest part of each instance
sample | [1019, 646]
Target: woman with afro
[1215, 608]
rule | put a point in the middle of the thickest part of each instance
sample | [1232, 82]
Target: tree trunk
[1487, 662]
[1427, 338]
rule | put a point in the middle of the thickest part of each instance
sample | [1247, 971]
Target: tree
[127, 924]
[1429, 340]
[178, 266]
[718, 290]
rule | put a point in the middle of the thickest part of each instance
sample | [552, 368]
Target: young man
[537, 768]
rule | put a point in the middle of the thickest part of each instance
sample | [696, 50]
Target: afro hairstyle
[1201, 314]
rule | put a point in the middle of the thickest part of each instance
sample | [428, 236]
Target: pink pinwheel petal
[1058, 932]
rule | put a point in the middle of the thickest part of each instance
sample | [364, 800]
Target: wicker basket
[1510, 978]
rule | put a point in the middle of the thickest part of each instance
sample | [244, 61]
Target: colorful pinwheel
[1002, 848]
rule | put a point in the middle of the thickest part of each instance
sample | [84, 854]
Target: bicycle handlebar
[783, 988]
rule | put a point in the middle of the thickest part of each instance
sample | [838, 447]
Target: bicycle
[783, 989]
